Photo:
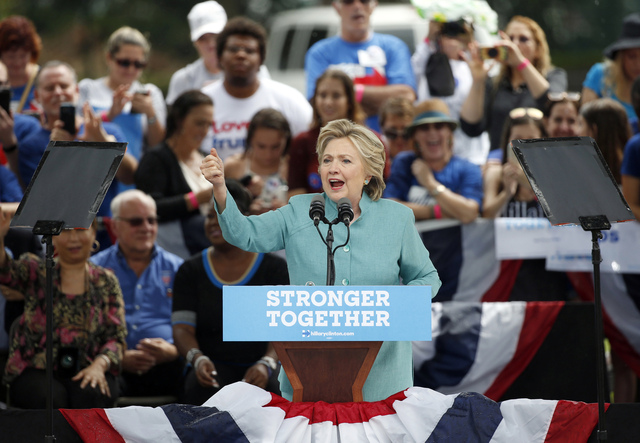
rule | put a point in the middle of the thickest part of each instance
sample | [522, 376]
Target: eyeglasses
[519, 38]
[560, 96]
[350, 2]
[392, 135]
[125, 63]
[533, 113]
[138, 221]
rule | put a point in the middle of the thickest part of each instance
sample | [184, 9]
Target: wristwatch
[438, 190]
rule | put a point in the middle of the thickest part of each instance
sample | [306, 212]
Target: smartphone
[68, 117]
[5, 98]
[499, 53]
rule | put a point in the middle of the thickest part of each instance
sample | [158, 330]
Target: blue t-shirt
[148, 299]
[459, 175]
[381, 60]
[10, 190]
[631, 160]
[595, 80]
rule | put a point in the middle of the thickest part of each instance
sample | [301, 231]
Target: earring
[366, 181]
[96, 246]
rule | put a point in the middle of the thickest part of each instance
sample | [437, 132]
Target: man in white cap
[206, 20]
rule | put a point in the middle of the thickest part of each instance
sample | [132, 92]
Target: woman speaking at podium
[384, 246]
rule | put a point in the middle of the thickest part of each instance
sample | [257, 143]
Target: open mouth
[336, 184]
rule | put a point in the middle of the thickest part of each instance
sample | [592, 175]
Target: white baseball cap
[206, 17]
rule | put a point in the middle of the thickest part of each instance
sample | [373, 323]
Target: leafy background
[76, 30]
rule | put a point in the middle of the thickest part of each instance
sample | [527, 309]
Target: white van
[292, 33]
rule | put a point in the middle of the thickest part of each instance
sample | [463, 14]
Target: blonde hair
[615, 79]
[542, 62]
[127, 35]
[369, 147]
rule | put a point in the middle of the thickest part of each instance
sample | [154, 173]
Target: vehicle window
[315, 36]
[286, 49]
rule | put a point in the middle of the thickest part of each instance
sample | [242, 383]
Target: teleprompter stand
[65, 192]
[575, 186]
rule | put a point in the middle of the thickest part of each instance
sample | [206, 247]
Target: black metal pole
[596, 260]
[331, 275]
[49, 437]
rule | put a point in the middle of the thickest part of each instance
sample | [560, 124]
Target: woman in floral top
[88, 332]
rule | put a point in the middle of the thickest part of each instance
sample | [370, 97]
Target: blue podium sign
[321, 313]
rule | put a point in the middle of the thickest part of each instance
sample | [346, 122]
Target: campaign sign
[321, 313]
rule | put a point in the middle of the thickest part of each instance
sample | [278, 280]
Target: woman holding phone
[139, 109]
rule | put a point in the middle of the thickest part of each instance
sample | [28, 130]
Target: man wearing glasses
[379, 64]
[145, 272]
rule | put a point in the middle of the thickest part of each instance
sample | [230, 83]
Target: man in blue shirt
[150, 365]
[379, 64]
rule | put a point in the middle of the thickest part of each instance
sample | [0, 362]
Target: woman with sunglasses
[561, 114]
[139, 109]
[333, 99]
[88, 325]
[431, 180]
[170, 173]
[613, 77]
[526, 76]
[507, 192]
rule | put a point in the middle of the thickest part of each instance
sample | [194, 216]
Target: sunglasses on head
[533, 113]
[138, 221]
[125, 63]
[392, 135]
[519, 39]
[350, 2]
[560, 96]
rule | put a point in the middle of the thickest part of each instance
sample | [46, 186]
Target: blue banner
[321, 313]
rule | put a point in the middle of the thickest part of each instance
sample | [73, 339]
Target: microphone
[345, 213]
[316, 210]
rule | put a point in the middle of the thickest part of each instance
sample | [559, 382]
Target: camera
[499, 53]
[5, 98]
[68, 364]
[68, 117]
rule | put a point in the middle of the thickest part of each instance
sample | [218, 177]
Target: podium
[327, 337]
[312, 368]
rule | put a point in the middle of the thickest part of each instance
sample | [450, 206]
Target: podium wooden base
[333, 372]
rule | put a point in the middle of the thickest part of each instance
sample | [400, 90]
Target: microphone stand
[331, 267]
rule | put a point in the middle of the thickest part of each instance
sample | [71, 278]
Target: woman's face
[195, 125]
[16, 61]
[434, 141]
[631, 63]
[212, 228]
[584, 129]
[563, 120]
[267, 146]
[74, 245]
[331, 100]
[521, 35]
[342, 171]
[122, 64]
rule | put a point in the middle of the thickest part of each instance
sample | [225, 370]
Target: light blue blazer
[384, 249]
